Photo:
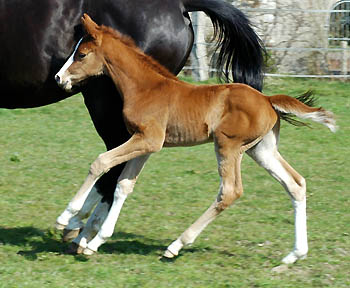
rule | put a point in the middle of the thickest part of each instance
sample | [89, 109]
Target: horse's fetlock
[124, 188]
[227, 197]
[221, 206]
[105, 234]
[301, 252]
[186, 238]
[298, 190]
[73, 209]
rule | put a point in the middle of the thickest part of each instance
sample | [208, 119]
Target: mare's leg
[266, 154]
[125, 186]
[91, 228]
[229, 166]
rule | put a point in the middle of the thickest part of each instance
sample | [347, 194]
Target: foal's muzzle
[58, 79]
[63, 84]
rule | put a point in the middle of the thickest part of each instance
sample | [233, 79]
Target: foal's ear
[91, 28]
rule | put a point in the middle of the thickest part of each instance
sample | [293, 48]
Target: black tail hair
[240, 50]
[308, 99]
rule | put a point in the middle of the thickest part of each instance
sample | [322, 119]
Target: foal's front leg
[75, 224]
[151, 140]
[125, 186]
[78, 208]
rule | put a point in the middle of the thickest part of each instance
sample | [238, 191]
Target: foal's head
[86, 60]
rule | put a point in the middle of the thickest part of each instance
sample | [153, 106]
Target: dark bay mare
[37, 37]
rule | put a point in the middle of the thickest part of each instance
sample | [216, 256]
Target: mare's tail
[240, 50]
[302, 107]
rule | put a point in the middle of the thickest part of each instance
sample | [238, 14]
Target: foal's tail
[241, 51]
[302, 107]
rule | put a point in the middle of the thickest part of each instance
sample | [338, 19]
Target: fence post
[199, 52]
[345, 57]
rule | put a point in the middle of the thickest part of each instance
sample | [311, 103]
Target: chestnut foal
[162, 111]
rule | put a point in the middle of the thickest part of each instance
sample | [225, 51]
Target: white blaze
[60, 76]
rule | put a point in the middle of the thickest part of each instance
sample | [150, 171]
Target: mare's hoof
[74, 249]
[69, 235]
[88, 252]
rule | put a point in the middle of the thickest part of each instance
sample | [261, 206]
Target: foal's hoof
[293, 257]
[88, 252]
[169, 255]
[74, 249]
[59, 226]
[69, 235]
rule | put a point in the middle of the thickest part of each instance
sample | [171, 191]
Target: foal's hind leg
[266, 154]
[230, 189]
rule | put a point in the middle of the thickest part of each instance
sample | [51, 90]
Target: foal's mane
[147, 60]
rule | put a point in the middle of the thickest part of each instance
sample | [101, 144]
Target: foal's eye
[81, 55]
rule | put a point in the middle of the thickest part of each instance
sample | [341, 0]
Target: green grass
[45, 155]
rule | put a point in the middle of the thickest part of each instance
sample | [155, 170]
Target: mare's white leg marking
[300, 247]
[108, 225]
[93, 224]
[266, 155]
[76, 223]
[125, 186]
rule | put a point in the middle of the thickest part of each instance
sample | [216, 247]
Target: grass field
[45, 155]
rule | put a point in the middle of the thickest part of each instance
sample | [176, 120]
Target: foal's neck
[131, 70]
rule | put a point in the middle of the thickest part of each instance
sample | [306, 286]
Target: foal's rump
[250, 115]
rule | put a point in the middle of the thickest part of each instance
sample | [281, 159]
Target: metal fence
[310, 43]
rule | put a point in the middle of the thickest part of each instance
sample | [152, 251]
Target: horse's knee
[124, 188]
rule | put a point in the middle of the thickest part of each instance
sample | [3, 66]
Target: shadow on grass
[128, 243]
[34, 241]
[136, 246]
